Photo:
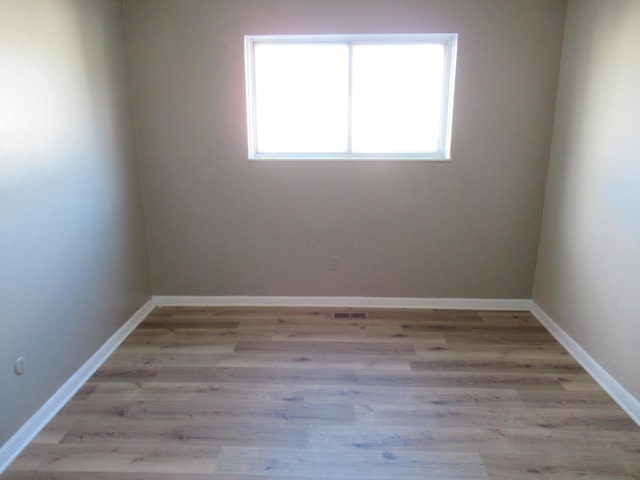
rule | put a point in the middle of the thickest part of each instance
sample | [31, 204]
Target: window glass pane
[397, 98]
[301, 95]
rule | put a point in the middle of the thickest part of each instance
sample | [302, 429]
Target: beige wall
[221, 225]
[588, 274]
[73, 266]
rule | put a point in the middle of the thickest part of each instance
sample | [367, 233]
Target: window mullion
[350, 106]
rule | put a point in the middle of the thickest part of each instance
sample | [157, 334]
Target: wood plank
[326, 347]
[433, 415]
[315, 360]
[419, 437]
[461, 379]
[177, 430]
[202, 407]
[349, 462]
[114, 458]
[558, 465]
[279, 376]
[50, 475]
[490, 365]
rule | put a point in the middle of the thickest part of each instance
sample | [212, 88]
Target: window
[352, 97]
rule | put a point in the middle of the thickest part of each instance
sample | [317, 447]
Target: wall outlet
[335, 263]
[19, 365]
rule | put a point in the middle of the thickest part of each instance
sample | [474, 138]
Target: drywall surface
[73, 265]
[588, 274]
[219, 224]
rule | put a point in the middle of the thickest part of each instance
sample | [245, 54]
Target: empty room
[319, 239]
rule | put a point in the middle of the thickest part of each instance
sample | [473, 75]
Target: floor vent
[350, 315]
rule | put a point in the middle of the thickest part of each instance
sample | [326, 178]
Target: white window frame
[447, 40]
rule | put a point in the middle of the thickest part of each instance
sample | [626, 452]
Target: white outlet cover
[19, 365]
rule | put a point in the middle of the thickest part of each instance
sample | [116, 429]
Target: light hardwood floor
[295, 394]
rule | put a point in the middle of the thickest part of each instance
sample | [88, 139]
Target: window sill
[350, 158]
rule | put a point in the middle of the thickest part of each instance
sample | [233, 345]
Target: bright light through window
[397, 98]
[301, 97]
[350, 97]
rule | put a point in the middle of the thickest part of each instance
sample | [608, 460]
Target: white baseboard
[345, 302]
[622, 397]
[12, 448]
